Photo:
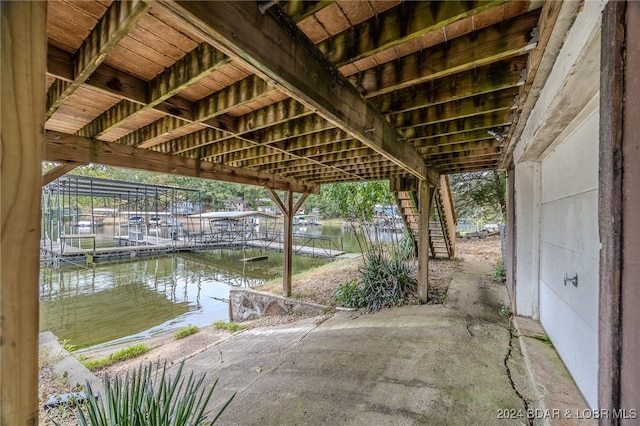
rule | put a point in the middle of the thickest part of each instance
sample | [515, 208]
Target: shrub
[385, 281]
[186, 331]
[230, 326]
[350, 295]
[499, 272]
[146, 399]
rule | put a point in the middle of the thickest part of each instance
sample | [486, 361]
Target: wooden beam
[486, 121]
[455, 138]
[112, 27]
[504, 40]
[58, 171]
[77, 149]
[23, 41]
[272, 46]
[114, 82]
[489, 142]
[456, 109]
[464, 157]
[476, 81]
[144, 137]
[250, 127]
[190, 69]
[467, 169]
[233, 96]
[398, 25]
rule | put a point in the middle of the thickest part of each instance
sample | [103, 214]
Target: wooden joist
[77, 149]
[298, 68]
[114, 25]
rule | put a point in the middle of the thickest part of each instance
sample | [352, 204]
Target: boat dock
[70, 248]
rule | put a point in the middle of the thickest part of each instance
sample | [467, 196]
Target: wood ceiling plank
[396, 26]
[274, 47]
[504, 40]
[94, 9]
[491, 165]
[111, 28]
[460, 147]
[191, 68]
[456, 138]
[487, 121]
[456, 109]
[77, 149]
[302, 9]
[464, 156]
[497, 76]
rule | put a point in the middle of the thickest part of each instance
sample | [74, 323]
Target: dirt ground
[316, 286]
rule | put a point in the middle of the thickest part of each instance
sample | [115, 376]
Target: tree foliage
[480, 195]
[355, 200]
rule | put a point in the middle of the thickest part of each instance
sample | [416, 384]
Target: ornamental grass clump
[147, 398]
[385, 280]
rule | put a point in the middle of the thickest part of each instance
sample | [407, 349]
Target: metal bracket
[573, 280]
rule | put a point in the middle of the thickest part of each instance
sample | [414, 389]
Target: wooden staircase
[442, 219]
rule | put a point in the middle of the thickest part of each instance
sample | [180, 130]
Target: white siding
[569, 244]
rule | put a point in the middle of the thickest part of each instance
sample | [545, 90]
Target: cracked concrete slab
[456, 363]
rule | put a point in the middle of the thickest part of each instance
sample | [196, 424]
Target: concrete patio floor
[459, 363]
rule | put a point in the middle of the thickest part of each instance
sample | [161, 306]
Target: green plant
[499, 272]
[406, 248]
[143, 398]
[230, 326]
[186, 331]
[350, 295]
[67, 345]
[505, 311]
[385, 281]
[120, 355]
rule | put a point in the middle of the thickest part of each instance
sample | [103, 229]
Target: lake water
[114, 301]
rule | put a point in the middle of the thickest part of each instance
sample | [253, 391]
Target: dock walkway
[59, 252]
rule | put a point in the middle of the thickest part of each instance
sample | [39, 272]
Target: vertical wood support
[610, 205]
[288, 244]
[425, 195]
[619, 207]
[24, 55]
[288, 210]
[630, 291]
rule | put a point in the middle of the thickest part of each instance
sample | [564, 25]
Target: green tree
[356, 200]
[480, 195]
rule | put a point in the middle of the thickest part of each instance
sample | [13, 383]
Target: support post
[510, 230]
[425, 195]
[24, 55]
[619, 206]
[288, 244]
[288, 210]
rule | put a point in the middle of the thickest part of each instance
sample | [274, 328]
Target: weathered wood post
[425, 195]
[24, 55]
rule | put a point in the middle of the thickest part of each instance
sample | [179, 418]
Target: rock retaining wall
[248, 305]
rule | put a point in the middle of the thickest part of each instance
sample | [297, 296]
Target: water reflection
[123, 300]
